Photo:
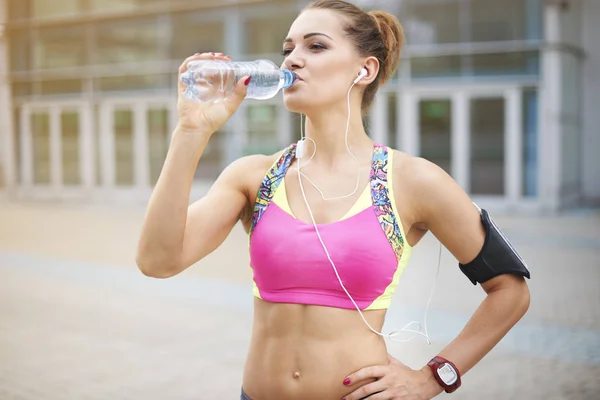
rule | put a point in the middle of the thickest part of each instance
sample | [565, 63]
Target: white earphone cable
[393, 334]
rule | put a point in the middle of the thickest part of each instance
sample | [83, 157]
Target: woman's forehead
[314, 20]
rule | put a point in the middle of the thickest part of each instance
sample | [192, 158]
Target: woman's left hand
[395, 381]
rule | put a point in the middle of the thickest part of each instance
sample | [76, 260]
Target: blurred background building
[502, 94]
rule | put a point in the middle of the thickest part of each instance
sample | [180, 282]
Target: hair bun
[392, 35]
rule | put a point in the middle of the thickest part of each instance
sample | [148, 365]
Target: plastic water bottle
[214, 80]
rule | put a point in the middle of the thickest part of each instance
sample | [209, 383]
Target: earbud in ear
[363, 72]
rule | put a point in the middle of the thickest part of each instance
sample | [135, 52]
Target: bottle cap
[289, 78]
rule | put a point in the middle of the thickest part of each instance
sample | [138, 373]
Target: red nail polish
[347, 381]
[247, 81]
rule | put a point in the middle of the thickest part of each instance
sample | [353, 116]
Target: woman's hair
[375, 33]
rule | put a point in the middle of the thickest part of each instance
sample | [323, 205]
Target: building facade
[501, 94]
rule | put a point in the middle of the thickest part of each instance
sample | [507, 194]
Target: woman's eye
[316, 46]
[286, 52]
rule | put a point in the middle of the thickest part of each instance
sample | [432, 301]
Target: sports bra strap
[382, 198]
[271, 182]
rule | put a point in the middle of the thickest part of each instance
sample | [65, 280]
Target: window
[433, 22]
[193, 34]
[59, 47]
[133, 40]
[122, 5]
[266, 35]
[20, 50]
[492, 20]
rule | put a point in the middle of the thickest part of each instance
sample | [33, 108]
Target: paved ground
[78, 321]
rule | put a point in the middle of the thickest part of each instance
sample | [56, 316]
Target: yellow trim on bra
[384, 301]
[362, 203]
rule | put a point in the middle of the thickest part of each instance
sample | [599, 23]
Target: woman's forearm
[164, 224]
[502, 308]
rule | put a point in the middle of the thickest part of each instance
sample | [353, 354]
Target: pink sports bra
[367, 245]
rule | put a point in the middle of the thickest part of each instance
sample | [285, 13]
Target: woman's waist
[306, 368]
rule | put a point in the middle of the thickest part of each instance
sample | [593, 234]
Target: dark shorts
[245, 396]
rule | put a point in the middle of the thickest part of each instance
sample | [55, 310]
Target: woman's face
[324, 59]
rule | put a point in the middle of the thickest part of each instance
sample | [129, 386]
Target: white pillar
[379, 118]
[7, 125]
[107, 146]
[460, 140]
[409, 142]
[550, 160]
[141, 151]
[513, 143]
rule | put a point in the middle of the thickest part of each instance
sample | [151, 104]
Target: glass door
[473, 133]
[53, 144]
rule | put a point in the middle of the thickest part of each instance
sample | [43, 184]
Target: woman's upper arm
[448, 212]
[211, 218]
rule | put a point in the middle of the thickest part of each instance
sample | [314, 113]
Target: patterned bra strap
[382, 205]
[271, 182]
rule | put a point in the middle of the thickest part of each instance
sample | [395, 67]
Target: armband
[497, 256]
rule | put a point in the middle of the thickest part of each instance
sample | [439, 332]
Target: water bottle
[214, 80]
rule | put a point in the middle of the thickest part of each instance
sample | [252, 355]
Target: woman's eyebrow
[308, 35]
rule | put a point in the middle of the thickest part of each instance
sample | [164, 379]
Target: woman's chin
[295, 103]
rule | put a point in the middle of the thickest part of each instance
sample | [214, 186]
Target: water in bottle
[214, 80]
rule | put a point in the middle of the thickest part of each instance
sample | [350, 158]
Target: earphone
[300, 148]
[363, 72]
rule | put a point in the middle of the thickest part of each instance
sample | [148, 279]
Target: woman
[367, 207]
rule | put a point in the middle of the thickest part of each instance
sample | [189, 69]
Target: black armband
[497, 256]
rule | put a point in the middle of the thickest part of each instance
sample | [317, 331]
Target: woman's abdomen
[305, 352]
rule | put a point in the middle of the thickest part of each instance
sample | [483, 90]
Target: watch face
[447, 374]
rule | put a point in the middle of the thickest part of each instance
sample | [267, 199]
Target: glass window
[63, 86]
[18, 10]
[435, 125]
[127, 41]
[191, 34]
[20, 89]
[40, 134]
[69, 123]
[514, 63]
[433, 22]
[20, 50]
[493, 20]
[487, 146]
[122, 5]
[123, 128]
[443, 66]
[59, 47]
[134, 82]
[530, 137]
[262, 129]
[52, 8]
[158, 136]
[266, 35]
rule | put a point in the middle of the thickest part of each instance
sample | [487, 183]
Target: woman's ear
[371, 65]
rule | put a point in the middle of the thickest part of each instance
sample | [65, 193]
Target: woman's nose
[293, 61]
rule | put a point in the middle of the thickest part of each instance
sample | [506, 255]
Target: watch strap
[434, 364]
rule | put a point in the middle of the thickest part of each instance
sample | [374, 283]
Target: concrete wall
[590, 38]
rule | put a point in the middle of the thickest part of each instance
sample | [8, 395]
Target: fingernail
[247, 80]
[347, 381]
[212, 53]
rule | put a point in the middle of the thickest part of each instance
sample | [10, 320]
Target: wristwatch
[445, 373]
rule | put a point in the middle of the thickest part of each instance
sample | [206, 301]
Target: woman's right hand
[207, 118]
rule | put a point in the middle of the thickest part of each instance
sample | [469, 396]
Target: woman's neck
[328, 131]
